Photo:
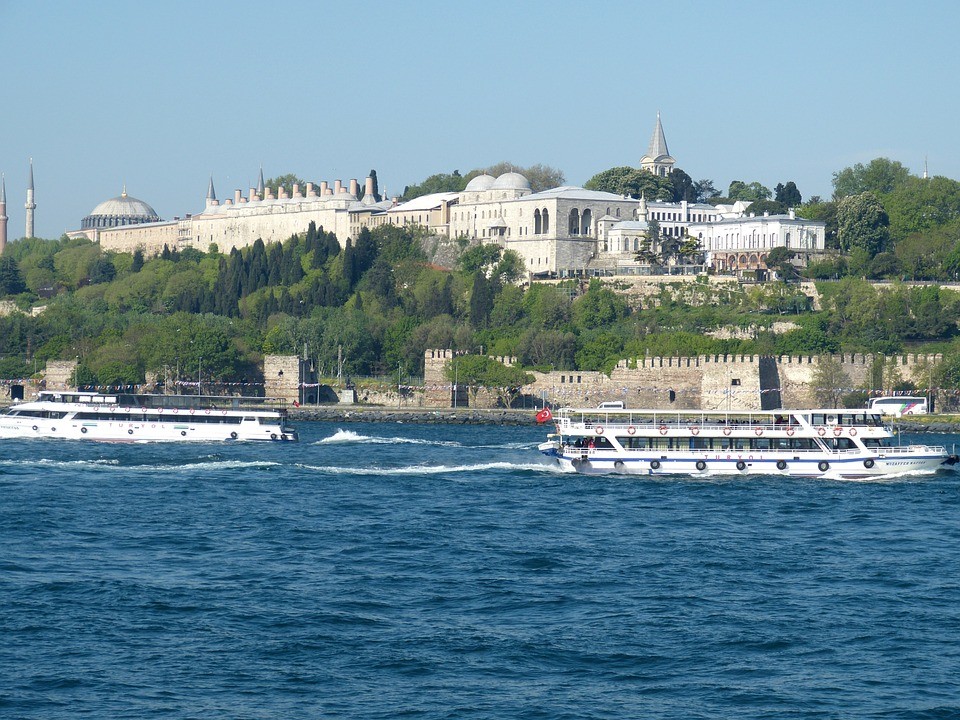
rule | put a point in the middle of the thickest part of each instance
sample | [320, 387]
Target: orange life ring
[790, 431]
[598, 429]
[821, 431]
[175, 411]
[837, 430]
[694, 430]
[192, 411]
[726, 431]
[207, 411]
[759, 431]
[663, 429]
[631, 430]
[853, 432]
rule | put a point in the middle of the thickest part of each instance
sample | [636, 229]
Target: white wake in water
[349, 436]
[435, 469]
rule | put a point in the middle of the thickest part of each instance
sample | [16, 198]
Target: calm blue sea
[414, 571]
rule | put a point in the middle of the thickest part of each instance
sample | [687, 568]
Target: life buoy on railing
[631, 430]
[126, 409]
[192, 411]
[598, 429]
[694, 430]
[790, 431]
[759, 431]
[175, 411]
[224, 412]
[663, 429]
[701, 465]
[654, 464]
[837, 430]
[143, 409]
[726, 431]
[853, 432]
[741, 465]
[207, 411]
[821, 431]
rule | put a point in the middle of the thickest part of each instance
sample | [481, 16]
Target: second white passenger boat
[77, 415]
[804, 443]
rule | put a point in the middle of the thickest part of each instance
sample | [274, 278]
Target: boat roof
[717, 413]
[147, 400]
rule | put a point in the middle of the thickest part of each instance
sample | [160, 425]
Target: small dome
[511, 181]
[480, 182]
[122, 210]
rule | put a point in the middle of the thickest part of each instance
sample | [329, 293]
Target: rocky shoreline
[359, 413]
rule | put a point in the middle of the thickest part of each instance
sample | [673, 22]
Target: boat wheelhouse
[79, 415]
[804, 443]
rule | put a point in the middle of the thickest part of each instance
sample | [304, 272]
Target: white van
[611, 405]
[899, 406]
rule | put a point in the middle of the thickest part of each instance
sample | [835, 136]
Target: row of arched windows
[541, 221]
[580, 223]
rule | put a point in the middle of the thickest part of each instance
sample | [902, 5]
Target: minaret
[3, 214]
[642, 212]
[30, 205]
[260, 188]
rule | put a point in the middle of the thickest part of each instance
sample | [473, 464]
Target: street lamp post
[199, 374]
[399, 395]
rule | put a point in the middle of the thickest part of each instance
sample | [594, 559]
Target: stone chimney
[354, 187]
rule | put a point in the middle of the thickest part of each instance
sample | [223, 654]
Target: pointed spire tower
[3, 214]
[658, 159]
[260, 187]
[212, 195]
[30, 205]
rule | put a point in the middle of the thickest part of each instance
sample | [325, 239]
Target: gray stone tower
[3, 214]
[30, 205]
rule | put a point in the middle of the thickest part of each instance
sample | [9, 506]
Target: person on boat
[591, 445]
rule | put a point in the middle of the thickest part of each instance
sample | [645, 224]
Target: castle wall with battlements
[707, 382]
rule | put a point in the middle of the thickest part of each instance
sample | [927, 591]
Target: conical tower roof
[658, 142]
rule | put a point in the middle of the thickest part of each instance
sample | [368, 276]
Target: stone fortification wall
[709, 382]
[59, 373]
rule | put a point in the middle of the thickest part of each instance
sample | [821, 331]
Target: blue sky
[160, 95]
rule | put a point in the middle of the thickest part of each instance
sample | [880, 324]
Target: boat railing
[180, 402]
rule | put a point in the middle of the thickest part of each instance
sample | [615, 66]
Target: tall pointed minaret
[30, 205]
[657, 160]
[3, 214]
[211, 195]
[260, 188]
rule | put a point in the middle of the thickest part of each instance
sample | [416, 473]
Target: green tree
[286, 182]
[830, 382]
[541, 177]
[787, 195]
[862, 223]
[11, 279]
[683, 186]
[759, 207]
[920, 204]
[441, 182]
[480, 372]
[740, 190]
[879, 176]
[632, 182]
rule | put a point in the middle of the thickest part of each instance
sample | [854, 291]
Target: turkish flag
[544, 415]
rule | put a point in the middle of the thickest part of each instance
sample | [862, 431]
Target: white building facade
[742, 243]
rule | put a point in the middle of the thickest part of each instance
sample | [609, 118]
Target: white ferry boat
[802, 443]
[77, 415]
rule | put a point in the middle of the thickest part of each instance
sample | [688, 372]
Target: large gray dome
[122, 210]
[511, 181]
[480, 183]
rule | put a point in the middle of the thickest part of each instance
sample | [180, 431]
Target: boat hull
[853, 467]
[142, 431]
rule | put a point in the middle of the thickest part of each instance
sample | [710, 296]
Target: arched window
[573, 227]
[537, 227]
[546, 221]
[585, 222]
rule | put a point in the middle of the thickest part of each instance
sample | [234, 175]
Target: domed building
[118, 211]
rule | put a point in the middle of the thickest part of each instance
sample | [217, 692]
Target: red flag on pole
[544, 415]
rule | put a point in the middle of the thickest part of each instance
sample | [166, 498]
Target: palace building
[559, 231]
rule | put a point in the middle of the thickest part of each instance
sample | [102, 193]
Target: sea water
[439, 571]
